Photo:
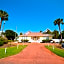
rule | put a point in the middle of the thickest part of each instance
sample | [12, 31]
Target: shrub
[61, 42]
[24, 40]
[1, 42]
[47, 40]
[9, 40]
[4, 40]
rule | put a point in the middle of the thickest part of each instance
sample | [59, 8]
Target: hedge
[47, 40]
[24, 40]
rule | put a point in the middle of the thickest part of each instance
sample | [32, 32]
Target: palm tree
[55, 34]
[58, 22]
[40, 31]
[3, 16]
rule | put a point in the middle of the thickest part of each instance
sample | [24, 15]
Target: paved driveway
[34, 53]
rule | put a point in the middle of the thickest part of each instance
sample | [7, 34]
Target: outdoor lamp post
[15, 33]
[23, 39]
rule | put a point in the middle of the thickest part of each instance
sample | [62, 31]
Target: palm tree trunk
[60, 32]
[0, 24]
[3, 27]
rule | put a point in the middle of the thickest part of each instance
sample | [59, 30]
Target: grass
[11, 50]
[57, 51]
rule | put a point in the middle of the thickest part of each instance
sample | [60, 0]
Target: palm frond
[58, 21]
[61, 19]
[55, 22]
[4, 15]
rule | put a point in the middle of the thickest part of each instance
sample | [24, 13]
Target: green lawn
[11, 51]
[57, 51]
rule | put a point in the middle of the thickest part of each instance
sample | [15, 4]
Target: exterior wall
[28, 38]
[31, 40]
[57, 40]
[43, 38]
[19, 39]
[50, 37]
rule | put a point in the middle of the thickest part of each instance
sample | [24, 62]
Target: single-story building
[35, 37]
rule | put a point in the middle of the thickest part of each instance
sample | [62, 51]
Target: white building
[34, 37]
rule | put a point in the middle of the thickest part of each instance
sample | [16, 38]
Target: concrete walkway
[34, 53]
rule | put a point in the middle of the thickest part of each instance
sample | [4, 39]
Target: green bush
[1, 42]
[45, 41]
[61, 42]
[24, 40]
[9, 40]
[5, 40]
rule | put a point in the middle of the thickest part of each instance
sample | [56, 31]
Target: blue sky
[32, 15]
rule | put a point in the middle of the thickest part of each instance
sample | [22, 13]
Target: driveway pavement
[34, 53]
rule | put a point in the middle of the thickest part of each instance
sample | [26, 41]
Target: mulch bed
[59, 46]
[7, 45]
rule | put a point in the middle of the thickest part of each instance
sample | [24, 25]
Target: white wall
[57, 40]
[43, 38]
[28, 38]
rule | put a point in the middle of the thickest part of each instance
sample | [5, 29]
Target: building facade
[35, 37]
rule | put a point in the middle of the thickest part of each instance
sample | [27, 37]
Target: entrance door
[35, 38]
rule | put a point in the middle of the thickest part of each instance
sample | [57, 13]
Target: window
[47, 38]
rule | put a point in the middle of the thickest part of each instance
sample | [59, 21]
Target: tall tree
[47, 32]
[40, 31]
[58, 22]
[10, 34]
[63, 34]
[21, 33]
[4, 17]
[55, 34]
